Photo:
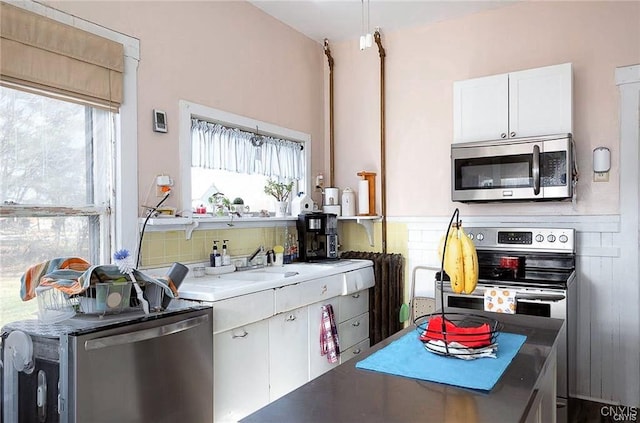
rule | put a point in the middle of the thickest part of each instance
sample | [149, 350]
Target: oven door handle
[535, 169]
[540, 297]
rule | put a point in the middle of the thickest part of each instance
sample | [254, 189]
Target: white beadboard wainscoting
[608, 338]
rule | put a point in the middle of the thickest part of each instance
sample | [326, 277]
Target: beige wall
[231, 56]
[421, 65]
[225, 55]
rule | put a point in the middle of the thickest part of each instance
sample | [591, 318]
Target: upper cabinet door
[540, 101]
[481, 108]
[527, 103]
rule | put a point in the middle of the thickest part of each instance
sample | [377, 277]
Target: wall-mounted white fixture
[159, 121]
[601, 164]
[366, 39]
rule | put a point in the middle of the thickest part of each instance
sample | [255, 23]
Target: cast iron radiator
[386, 297]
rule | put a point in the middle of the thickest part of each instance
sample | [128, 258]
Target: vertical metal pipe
[327, 52]
[383, 148]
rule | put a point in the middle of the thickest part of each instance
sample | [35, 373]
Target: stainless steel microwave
[537, 168]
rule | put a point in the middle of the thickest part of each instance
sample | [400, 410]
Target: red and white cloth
[329, 343]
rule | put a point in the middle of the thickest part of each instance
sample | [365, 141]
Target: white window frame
[124, 213]
[189, 110]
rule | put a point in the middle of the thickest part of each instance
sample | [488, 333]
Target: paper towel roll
[363, 197]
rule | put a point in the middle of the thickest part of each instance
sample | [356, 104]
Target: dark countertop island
[347, 394]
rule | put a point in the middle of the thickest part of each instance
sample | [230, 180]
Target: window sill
[189, 224]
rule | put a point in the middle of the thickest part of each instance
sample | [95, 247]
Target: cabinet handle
[355, 296]
[244, 333]
[357, 351]
[290, 318]
[503, 135]
[512, 134]
[356, 323]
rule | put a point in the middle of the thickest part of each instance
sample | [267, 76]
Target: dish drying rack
[99, 299]
[464, 328]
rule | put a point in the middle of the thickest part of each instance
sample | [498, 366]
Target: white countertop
[212, 288]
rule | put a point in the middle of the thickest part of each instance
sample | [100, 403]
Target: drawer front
[238, 311]
[357, 280]
[353, 331]
[355, 351]
[353, 305]
[305, 293]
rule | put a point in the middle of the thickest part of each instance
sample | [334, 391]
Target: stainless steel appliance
[537, 264]
[317, 236]
[541, 168]
[122, 368]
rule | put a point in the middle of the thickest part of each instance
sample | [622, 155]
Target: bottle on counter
[215, 260]
[226, 258]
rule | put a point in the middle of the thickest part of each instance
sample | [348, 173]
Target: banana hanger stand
[481, 325]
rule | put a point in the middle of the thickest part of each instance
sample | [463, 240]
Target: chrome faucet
[254, 254]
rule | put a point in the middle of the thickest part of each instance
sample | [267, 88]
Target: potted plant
[238, 205]
[280, 191]
[221, 204]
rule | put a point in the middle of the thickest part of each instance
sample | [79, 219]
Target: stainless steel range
[538, 264]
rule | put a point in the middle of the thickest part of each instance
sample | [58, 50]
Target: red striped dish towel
[329, 343]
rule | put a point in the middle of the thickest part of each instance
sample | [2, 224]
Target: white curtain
[214, 146]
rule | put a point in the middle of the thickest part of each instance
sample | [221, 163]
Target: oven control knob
[563, 238]
[471, 236]
[480, 237]
[551, 238]
[539, 238]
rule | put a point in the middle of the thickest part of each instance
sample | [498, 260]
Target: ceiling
[340, 20]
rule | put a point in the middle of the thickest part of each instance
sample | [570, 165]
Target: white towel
[500, 300]
[460, 351]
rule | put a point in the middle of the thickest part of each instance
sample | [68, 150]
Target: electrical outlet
[600, 176]
[163, 185]
[161, 190]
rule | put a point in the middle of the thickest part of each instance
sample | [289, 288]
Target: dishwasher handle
[145, 334]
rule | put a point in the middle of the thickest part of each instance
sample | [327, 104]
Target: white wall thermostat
[159, 121]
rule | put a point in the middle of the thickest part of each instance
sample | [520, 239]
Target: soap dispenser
[214, 258]
[226, 259]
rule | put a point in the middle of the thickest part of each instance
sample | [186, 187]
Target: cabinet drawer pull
[503, 135]
[290, 318]
[356, 323]
[244, 333]
[357, 351]
[355, 296]
[512, 134]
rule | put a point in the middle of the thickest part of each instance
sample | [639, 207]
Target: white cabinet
[351, 313]
[293, 296]
[267, 343]
[319, 364]
[241, 371]
[353, 328]
[515, 105]
[288, 352]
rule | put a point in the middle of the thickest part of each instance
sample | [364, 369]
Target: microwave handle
[535, 169]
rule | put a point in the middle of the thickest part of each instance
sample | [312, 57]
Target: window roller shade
[42, 53]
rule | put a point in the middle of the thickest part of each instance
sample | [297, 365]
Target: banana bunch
[460, 261]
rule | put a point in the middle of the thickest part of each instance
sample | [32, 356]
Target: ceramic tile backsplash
[164, 248]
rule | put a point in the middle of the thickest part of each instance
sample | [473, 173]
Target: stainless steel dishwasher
[124, 368]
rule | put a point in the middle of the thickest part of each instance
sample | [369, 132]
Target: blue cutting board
[408, 357]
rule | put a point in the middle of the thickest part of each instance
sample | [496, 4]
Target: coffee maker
[317, 236]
